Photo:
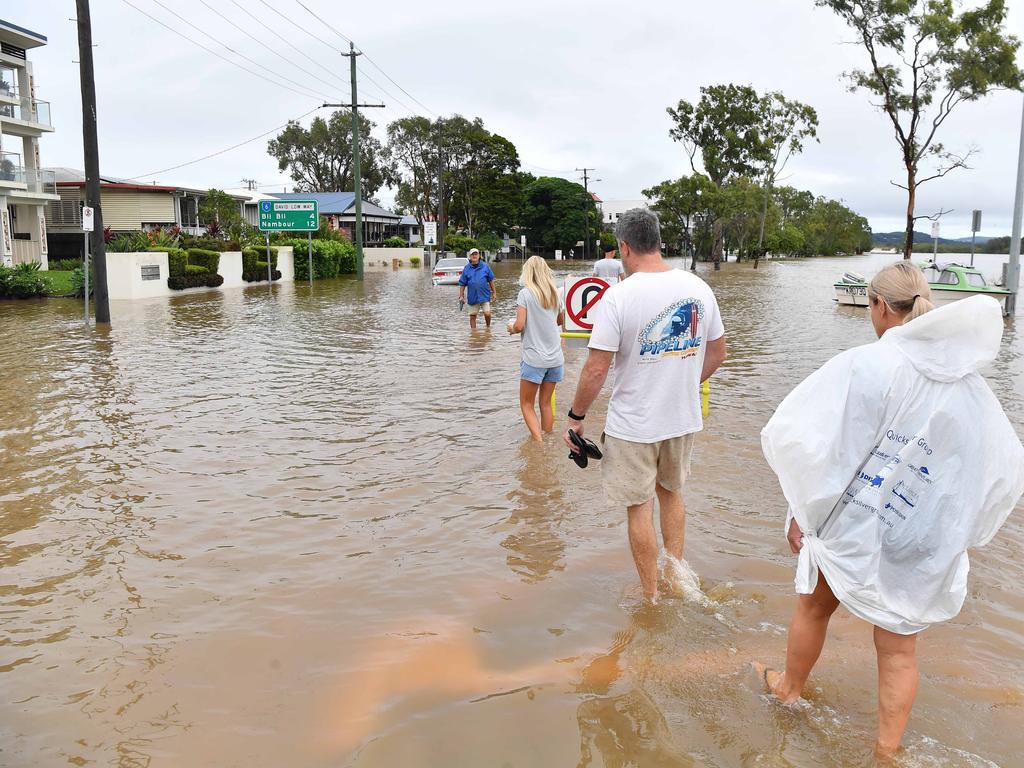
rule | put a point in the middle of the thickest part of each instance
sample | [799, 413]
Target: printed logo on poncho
[673, 333]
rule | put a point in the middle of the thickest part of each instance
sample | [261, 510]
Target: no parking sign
[581, 296]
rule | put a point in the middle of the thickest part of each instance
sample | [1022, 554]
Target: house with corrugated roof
[128, 206]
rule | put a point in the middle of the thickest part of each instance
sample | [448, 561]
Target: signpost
[430, 239]
[581, 295]
[975, 228]
[558, 255]
[88, 222]
[935, 237]
[289, 216]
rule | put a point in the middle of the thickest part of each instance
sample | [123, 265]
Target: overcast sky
[572, 83]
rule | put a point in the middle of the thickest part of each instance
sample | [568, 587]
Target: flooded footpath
[296, 526]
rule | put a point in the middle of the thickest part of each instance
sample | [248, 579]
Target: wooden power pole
[90, 143]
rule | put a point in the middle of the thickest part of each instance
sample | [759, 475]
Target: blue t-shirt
[477, 280]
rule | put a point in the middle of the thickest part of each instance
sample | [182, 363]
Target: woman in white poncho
[895, 459]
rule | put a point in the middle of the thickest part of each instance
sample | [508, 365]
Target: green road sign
[289, 215]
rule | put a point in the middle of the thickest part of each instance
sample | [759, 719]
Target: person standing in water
[895, 459]
[538, 317]
[609, 268]
[663, 329]
[479, 279]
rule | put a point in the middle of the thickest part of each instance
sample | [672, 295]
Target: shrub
[414, 260]
[177, 258]
[196, 269]
[330, 258]
[78, 282]
[489, 242]
[459, 243]
[129, 242]
[164, 239]
[396, 242]
[208, 260]
[260, 275]
[64, 265]
[194, 280]
[252, 256]
[23, 281]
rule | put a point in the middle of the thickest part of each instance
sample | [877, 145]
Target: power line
[213, 52]
[398, 86]
[279, 55]
[227, 149]
[325, 23]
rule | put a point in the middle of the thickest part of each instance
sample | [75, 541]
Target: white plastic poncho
[895, 458]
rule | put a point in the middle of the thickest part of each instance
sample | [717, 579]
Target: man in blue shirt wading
[479, 278]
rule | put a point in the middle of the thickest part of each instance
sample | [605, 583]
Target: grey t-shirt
[610, 270]
[542, 343]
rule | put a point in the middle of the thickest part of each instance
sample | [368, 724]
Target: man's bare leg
[673, 520]
[487, 319]
[472, 321]
[643, 541]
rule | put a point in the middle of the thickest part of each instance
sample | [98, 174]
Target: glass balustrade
[10, 168]
[8, 82]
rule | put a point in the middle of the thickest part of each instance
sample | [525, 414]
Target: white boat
[948, 283]
[852, 290]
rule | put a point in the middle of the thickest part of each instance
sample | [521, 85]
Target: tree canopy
[319, 159]
[925, 60]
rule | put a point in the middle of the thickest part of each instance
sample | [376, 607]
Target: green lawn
[60, 283]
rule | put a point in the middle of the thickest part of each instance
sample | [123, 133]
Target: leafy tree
[320, 159]
[413, 148]
[926, 60]
[556, 211]
[725, 128]
[786, 239]
[785, 126]
[678, 204]
[220, 212]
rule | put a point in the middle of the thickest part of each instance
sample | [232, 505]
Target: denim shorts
[528, 372]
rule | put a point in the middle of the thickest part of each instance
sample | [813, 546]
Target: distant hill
[895, 239]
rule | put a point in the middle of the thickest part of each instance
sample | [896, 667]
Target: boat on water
[949, 283]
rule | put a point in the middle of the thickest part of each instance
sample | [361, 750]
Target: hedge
[195, 269]
[210, 260]
[260, 274]
[194, 280]
[64, 265]
[250, 257]
[177, 258]
[330, 258]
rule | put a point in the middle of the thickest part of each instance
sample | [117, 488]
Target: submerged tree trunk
[719, 244]
[908, 242]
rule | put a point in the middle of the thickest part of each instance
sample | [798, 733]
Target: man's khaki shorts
[484, 305]
[629, 471]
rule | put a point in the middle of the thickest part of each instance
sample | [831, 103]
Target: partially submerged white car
[448, 271]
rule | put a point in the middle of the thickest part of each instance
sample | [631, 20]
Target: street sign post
[88, 224]
[289, 216]
[581, 295]
[975, 229]
[935, 237]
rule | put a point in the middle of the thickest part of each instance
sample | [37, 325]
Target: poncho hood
[952, 341]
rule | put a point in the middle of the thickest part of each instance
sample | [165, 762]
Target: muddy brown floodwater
[303, 527]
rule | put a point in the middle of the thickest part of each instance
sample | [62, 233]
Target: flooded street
[298, 526]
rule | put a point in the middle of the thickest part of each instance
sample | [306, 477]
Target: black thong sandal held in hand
[587, 450]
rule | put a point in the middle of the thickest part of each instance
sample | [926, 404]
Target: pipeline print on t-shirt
[673, 333]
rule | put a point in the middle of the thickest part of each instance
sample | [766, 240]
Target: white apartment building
[25, 188]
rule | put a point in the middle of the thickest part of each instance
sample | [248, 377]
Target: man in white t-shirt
[609, 269]
[663, 329]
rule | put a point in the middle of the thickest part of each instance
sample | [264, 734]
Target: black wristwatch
[576, 416]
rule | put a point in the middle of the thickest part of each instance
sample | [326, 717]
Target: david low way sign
[289, 216]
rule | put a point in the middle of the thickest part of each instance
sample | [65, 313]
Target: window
[189, 208]
[948, 277]
[975, 280]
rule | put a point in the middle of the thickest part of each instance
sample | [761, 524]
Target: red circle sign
[577, 317]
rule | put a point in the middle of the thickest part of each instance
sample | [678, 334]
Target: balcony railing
[10, 168]
[42, 181]
[8, 83]
[39, 113]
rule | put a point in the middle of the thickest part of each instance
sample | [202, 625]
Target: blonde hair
[904, 288]
[537, 276]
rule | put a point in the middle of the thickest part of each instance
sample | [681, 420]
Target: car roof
[452, 262]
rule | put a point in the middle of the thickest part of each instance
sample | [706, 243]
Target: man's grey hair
[639, 229]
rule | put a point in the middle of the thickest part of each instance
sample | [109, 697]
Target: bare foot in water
[770, 678]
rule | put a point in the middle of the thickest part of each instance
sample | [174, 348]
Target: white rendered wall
[230, 268]
[286, 264]
[124, 275]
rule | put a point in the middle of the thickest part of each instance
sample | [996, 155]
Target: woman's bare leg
[547, 416]
[806, 639]
[897, 687]
[527, 398]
